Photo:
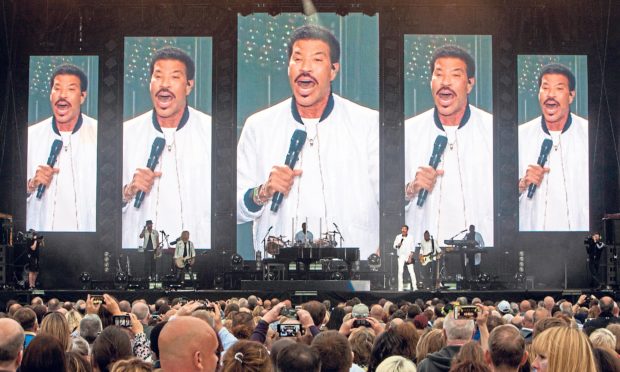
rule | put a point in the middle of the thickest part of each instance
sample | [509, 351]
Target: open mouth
[305, 83]
[165, 96]
[63, 105]
[446, 96]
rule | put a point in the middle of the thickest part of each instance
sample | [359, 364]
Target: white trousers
[414, 282]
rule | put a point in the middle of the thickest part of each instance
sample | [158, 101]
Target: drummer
[304, 237]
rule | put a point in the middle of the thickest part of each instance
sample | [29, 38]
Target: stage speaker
[610, 271]
[611, 230]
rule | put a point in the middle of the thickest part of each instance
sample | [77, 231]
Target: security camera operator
[34, 242]
[594, 247]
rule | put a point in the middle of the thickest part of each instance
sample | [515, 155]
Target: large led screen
[449, 137]
[167, 139]
[314, 99]
[553, 143]
[62, 143]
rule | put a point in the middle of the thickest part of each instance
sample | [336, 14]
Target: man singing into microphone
[561, 200]
[150, 245]
[460, 188]
[336, 179]
[178, 190]
[404, 245]
[68, 202]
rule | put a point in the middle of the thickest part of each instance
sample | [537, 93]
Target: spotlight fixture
[85, 280]
[218, 281]
[237, 262]
[107, 256]
[337, 275]
[374, 262]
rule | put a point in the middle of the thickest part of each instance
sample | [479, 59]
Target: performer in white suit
[460, 190]
[69, 200]
[178, 191]
[335, 184]
[405, 246]
[561, 200]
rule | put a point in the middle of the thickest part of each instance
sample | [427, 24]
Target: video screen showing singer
[553, 158]
[62, 156]
[449, 153]
[167, 155]
[334, 184]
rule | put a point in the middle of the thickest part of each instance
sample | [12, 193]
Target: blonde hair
[74, 318]
[603, 337]
[431, 341]
[566, 349]
[134, 364]
[396, 363]
[55, 324]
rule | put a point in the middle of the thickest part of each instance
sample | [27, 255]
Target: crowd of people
[102, 333]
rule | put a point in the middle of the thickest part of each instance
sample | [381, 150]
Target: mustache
[165, 90]
[551, 100]
[63, 101]
[307, 75]
[445, 89]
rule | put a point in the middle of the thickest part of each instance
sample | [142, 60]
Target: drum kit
[275, 243]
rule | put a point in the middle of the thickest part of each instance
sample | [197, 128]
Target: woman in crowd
[561, 349]
[55, 324]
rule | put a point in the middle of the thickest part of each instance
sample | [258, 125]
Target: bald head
[525, 306]
[549, 302]
[528, 319]
[606, 304]
[188, 344]
[11, 344]
[376, 311]
[541, 313]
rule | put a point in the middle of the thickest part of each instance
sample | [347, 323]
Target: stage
[300, 291]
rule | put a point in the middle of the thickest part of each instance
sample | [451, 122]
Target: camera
[361, 323]
[289, 313]
[289, 330]
[122, 320]
[97, 300]
[466, 311]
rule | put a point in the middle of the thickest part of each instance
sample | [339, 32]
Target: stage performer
[460, 188]
[178, 190]
[428, 257]
[472, 259]
[561, 200]
[404, 245]
[150, 245]
[184, 255]
[335, 183]
[304, 237]
[34, 243]
[68, 202]
[594, 248]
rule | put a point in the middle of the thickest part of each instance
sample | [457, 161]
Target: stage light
[374, 262]
[259, 261]
[337, 275]
[120, 277]
[484, 278]
[106, 262]
[85, 280]
[521, 261]
[236, 261]
[520, 277]
[218, 281]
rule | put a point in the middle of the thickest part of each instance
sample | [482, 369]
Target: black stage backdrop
[89, 27]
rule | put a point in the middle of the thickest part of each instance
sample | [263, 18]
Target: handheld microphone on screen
[545, 148]
[438, 149]
[297, 142]
[51, 160]
[156, 150]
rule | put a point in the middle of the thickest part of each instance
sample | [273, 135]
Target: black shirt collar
[328, 109]
[182, 123]
[543, 123]
[77, 127]
[464, 119]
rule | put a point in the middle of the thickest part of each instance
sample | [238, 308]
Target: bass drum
[274, 244]
[322, 243]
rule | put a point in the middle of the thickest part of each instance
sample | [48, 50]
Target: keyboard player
[472, 259]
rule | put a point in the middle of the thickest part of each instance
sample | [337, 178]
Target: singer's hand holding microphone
[43, 176]
[143, 179]
[281, 179]
[425, 179]
[534, 175]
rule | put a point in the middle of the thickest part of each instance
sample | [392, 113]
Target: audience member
[188, 343]
[44, 354]
[334, 350]
[112, 344]
[431, 341]
[77, 362]
[457, 332]
[248, 356]
[605, 318]
[27, 318]
[561, 349]
[131, 365]
[11, 344]
[55, 324]
[603, 338]
[396, 363]
[506, 349]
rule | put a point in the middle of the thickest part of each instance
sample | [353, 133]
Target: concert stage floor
[304, 291]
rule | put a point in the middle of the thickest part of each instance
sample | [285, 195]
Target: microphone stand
[264, 242]
[339, 233]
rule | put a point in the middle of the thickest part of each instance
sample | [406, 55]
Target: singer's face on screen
[450, 87]
[555, 98]
[66, 99]
[310, 74]
[169, 91]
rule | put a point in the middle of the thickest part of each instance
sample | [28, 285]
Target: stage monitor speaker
[611, 230]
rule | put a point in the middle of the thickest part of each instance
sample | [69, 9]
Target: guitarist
[150, 243]
[428, 255]
[404, 245]
[184, 254]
